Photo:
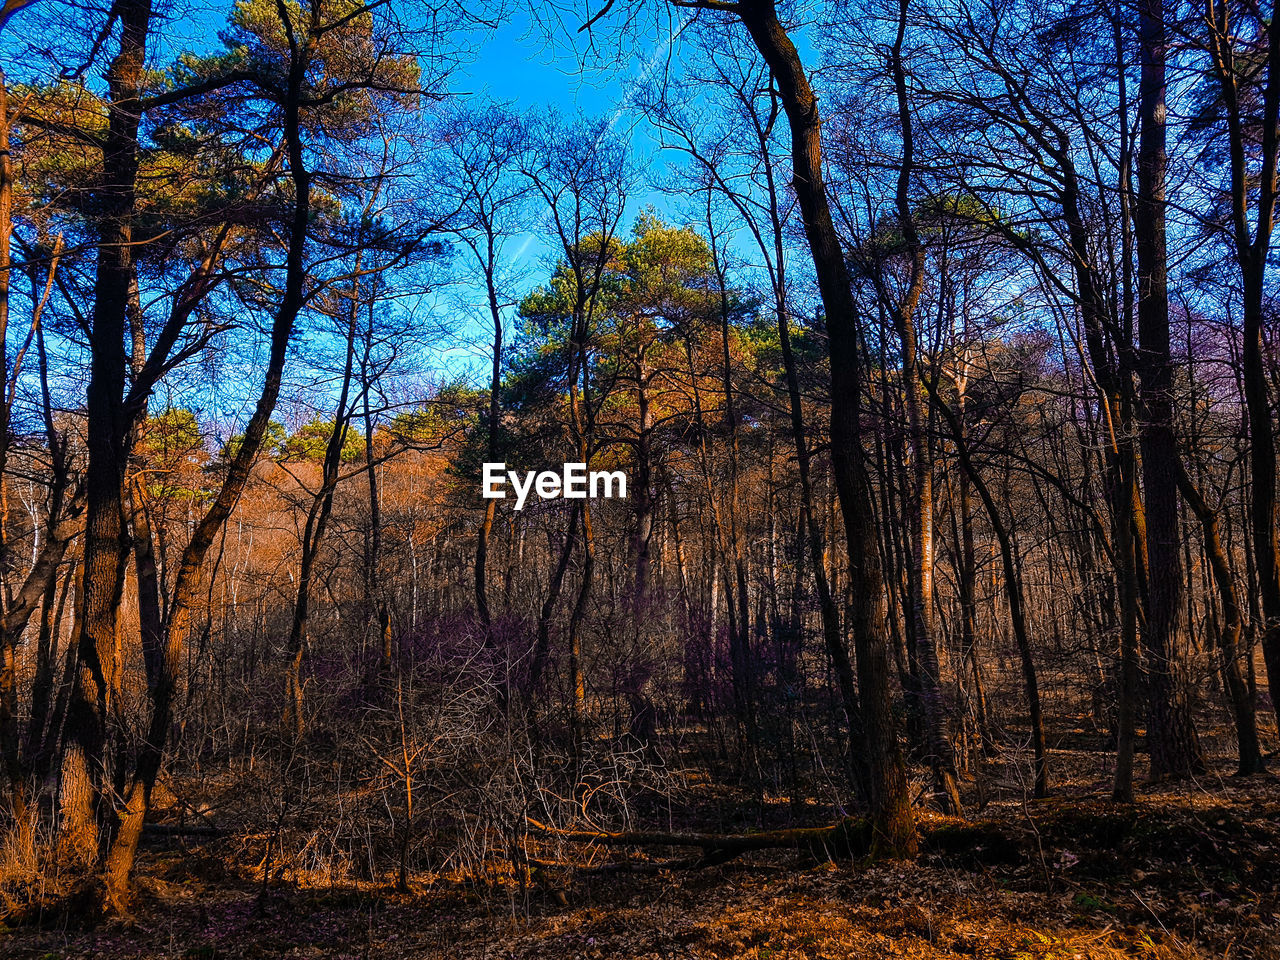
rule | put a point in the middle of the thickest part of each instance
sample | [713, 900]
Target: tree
[483, 148]
[890, 805]
[291, 65]
[581, 177]
[1230, 46]
[1175, 747]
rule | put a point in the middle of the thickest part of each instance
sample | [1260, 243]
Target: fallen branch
[182, 830]
[850, 837]
[847, 837]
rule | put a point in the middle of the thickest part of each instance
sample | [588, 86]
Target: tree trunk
[642, 490]
[937, 744]
[1013, 592]
[1171, 732]
[86, 801]
[495, 412]
[1251, 254]
[1230, 651]
[123, 848]
[892, 821]
[313, 538]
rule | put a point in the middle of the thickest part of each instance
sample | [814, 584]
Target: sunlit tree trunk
[86, 795]
[122, 849]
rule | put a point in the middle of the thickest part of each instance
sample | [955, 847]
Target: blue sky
[512, 63]
[515, 64]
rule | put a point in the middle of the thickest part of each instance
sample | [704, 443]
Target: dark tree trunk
[1232, 654]
[1013, 592]
[313, 534]
[495, 413]
[1251, 252]
[893, 821]
[1171, 731]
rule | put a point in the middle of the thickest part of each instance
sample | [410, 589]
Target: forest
[927, 353]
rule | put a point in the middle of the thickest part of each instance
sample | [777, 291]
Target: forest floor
[1187, 871]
